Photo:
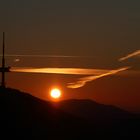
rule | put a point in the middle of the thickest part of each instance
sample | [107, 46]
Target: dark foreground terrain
[23, 116]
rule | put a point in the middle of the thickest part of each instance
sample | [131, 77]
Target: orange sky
[97, 35]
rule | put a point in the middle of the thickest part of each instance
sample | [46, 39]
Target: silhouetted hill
[26, 117]
[89, 109]
[23, 116]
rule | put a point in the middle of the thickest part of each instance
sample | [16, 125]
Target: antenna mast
[3, 62]
[3, 69]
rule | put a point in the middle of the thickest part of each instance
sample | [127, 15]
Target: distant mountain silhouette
[89, 109]
[23, 116]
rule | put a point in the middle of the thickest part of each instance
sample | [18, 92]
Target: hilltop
[26, 117]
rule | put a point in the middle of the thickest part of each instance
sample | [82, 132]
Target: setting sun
[55, 93]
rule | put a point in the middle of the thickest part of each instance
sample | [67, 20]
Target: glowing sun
[55, 93]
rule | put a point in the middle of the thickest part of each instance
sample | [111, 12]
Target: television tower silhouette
[3, 69]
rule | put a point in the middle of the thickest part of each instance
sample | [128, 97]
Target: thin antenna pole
[3, 62]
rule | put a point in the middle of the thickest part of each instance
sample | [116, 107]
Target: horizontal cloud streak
[82, 81]
[92, 74]
[47, 56]
[136, 53]
[73, 71]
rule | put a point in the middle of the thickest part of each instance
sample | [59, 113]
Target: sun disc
[55, 93]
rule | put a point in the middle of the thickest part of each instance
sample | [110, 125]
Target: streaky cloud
[136, 53]
[46, 56]
[72, 71]
[82, 81]
[91, 74]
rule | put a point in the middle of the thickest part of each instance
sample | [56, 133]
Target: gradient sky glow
[98, 32]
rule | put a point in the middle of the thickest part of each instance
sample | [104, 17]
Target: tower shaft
[3, 62]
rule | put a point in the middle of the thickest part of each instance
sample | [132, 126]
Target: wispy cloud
[136, 53]
[73, 71]
[92, 74]
[82, 81]
[47, 56]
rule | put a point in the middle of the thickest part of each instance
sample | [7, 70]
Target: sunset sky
[88, 48]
